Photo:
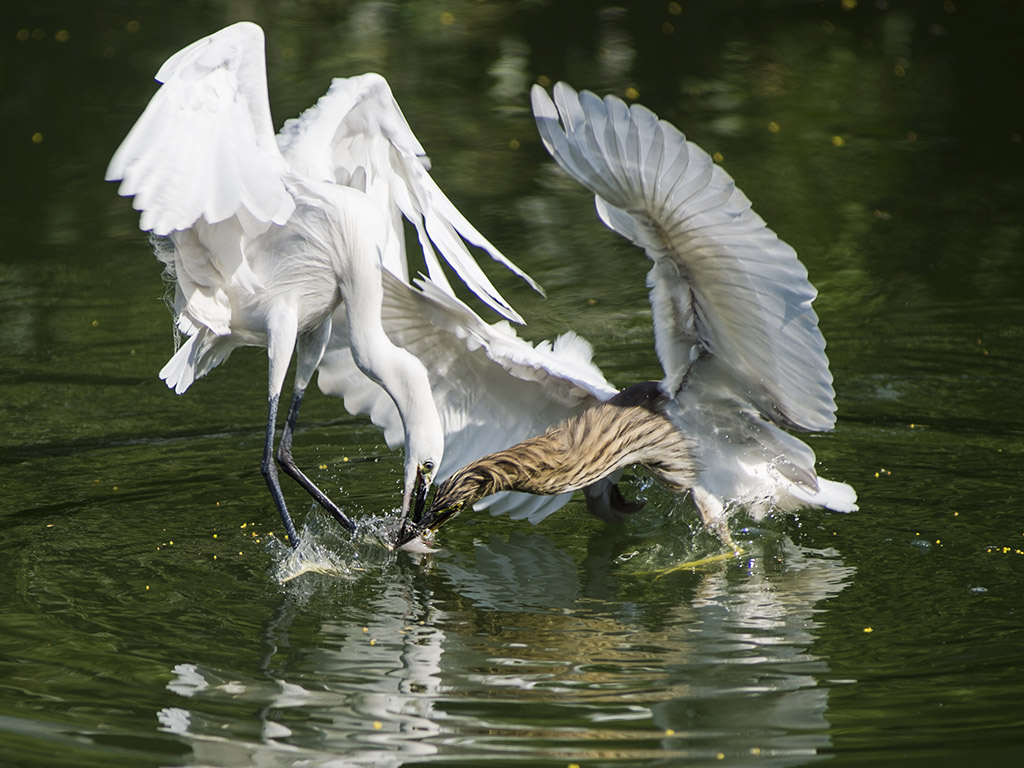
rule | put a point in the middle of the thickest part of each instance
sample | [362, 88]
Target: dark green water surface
[141, 619]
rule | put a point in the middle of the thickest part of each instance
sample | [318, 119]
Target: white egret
[734, 331]
[266, 236]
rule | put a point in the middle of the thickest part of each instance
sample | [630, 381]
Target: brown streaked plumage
[630, 429]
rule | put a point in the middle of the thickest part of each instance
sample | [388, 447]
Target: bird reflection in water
[719, 660]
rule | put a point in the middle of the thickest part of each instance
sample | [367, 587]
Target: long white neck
[361, 236]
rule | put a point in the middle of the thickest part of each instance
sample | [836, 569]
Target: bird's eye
[428, 466]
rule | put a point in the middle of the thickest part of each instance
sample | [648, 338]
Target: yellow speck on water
[239, 551]
[838, 141]
[670, 732]
[373, 641]
[720, 756]
[774, 127]
[323, 466]
[755, 750]
[133, 26]
[50, 525]
[37, 138]
[632, 93]
[244, 525]
[217, 504]
[62, 36]
[170, 543]
[447, 18]
[366, 629]
[115, 487]
[718, 157]
[868, 630]
[344, 458]
[23, 35]
[147, 587]
[214, 557]
[377, 725]
[675, 8]
[849, 5]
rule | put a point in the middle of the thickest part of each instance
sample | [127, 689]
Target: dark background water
[141, 622]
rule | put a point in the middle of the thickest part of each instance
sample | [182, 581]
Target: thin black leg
[284, 458]
[270, 474]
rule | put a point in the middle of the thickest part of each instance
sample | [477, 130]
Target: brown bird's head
[460, 491]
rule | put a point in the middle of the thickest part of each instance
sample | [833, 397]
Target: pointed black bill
[418, 503]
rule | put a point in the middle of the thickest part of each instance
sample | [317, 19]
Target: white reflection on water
[514, 660]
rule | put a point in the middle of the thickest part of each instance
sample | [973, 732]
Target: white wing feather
[722, 283]
[492, 389]
[204, 146]
[357, 135]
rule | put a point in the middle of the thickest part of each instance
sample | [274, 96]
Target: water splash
[327, 550]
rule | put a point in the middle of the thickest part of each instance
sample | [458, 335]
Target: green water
[141, 620]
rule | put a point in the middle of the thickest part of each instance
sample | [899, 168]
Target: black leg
[284, 458]
[270, 474]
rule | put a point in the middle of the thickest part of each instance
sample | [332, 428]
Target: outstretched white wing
[357, 135]
[492, 389]
[205, 146]
[722, 283]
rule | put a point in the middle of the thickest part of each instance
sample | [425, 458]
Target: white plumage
[733, 324]
[272, 235]
[734, 328]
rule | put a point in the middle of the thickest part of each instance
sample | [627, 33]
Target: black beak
[419, 500]
[418, 503]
